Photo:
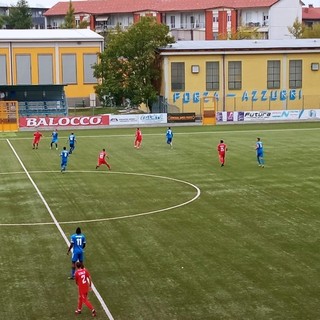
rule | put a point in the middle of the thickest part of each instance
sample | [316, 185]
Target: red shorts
[36, 141]
[102, 161]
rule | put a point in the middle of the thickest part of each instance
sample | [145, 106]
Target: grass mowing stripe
[104, 306]
[177, 133]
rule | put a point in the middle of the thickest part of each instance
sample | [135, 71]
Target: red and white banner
[81, 121]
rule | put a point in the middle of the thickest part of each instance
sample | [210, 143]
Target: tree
[129, 66]
[312, 32]
[69, 19]
[246, 32]
[301, 31]
[19, 16]
[297, 29]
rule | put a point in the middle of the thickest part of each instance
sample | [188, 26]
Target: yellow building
[48, 57]
[242, 75]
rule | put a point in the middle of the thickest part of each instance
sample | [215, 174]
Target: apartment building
[37, 9]
[187, 20]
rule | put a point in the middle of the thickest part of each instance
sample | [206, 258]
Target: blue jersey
[64, 156]
[77, 241]
[169, 134]
[72, 139]
[259, 148]
[54, 136]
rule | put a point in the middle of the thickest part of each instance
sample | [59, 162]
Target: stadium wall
[250, 75]
[46, 57]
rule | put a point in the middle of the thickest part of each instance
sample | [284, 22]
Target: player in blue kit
[54, 139]
[72, 140]
[259, 152]
[169, 136]
[77, 243]
[64, 159]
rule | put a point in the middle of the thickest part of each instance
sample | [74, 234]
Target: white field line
[104, 306]
[177, 133]
[113, 218]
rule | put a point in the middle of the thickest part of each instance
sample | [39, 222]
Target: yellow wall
[33, 52]
[254, 78]
[78, 90]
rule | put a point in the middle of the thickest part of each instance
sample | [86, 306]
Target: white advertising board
[268, 115]
[137, 119]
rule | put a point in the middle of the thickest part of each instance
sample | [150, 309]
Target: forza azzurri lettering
[272, 95]
[194, 97]
[254, 95]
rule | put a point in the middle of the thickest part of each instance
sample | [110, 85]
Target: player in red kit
[83, 281]
[36, 139]
[222, 149]
[138, 139]
[102, 159]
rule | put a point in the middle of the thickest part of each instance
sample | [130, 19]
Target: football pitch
[171, 235]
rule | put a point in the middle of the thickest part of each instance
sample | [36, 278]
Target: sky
[316, 3]
[33, 3]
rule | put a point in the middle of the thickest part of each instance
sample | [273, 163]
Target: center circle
[126, 216]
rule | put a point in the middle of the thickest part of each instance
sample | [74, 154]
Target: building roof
[97, 7]
[310, 13]
[34, 35]
[240, 45]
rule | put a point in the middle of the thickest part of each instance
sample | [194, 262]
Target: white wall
[281, 16]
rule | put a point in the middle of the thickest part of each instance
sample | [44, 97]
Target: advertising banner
[181, 117]
[81, 121]
[271, 115]
[152, 118]
[230, 116]
[124, 119]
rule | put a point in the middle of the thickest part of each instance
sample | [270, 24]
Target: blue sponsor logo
[151, 117]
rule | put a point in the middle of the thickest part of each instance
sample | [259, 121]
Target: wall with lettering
[253, 96]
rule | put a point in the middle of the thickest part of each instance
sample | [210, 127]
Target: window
[273, 81]
[212, 76]
[295, 74]
[88, 61]
[45, 69]
[23, 70]
[3, 69]
[234, 75]
[177, 76]
[69, 69]
[172, 22]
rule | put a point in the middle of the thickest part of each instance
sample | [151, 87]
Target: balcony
[253, 24]
[188, 26]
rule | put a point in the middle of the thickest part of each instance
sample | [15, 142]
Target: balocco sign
[42, 122]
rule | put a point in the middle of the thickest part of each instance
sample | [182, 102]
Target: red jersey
[102, 155]
[82, 277]
[138, 135]
[37, 135]
[222, 148]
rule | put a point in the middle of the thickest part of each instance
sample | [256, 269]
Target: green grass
[247, 248]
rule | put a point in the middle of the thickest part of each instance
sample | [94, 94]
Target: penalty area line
[94, 289]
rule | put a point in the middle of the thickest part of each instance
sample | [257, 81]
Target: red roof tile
[100, 7]
[310, 13]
